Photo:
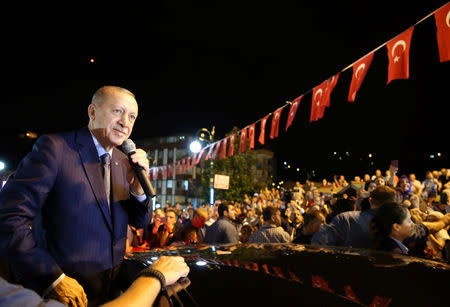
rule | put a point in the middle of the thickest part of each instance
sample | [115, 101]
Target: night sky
[195, 64]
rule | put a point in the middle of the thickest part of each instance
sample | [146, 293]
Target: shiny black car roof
[293, 274]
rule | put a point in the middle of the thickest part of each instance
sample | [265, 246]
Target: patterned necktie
[106, 162]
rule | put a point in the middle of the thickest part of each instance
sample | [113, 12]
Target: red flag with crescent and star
[251, 136]
[223, 153]
[398, 54]
[216, 150]
[231, 147]
[263, 130]
[211, 147]
[275, 123]
[292, 111]
[330, 87]
[199, 157]
[319, 97]
[442, 17]
[243, 138]
[360, 69]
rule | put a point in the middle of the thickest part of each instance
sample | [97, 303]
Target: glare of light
[285, 163]
[211, 196]
[289, 166]
[340, 158]
[335, 153]
[273, 183]
[370, 155]
[195, 146]
[431, 156]
[2, 165]
[278, 186]
[91, 60]
[439, 154]
[154, 258]
[213, 248]
[200, 263]
[298, 170]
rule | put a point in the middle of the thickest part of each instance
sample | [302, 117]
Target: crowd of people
[390, 213]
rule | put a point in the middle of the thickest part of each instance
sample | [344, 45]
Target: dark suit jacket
[60, 181]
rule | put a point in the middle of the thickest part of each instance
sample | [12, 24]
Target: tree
[238, 167]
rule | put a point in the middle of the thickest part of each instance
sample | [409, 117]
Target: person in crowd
[223, 230]
[83, 207]
[286, 220]
[151, 229]
[313, 221]
[299, 193]
[416, 184]
[429, 187]
[343, 205]
[390, 226]
[212, 210]
[271, 231]
[325, 184]
[405, 196]
[341, 182]
[193, 231]
[168, 231]
[436, 242]
[357, 179]
[296, 222]
[142, 292]
[245, 233]
[378, 174]
[391, 178]
[367, 178]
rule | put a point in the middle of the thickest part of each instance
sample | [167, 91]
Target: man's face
[231, 213]
[112, 121]
[315, 225]
[412, 177]
[277, 218]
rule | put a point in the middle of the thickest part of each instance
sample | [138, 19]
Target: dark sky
[195, 64]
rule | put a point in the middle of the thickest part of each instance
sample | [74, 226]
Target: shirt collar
[100, 150]
[403, 248]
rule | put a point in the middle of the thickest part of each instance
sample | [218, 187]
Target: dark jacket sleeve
[21, 201]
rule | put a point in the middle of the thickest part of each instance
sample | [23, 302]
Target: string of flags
[398, 68]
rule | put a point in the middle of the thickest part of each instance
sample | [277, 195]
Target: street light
[207, 137]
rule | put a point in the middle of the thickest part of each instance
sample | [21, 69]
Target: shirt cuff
[141, 198]
[53, 285]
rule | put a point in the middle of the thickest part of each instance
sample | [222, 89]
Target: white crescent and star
[360, 67]
[315, 96]
[399, 43]
[447, 19]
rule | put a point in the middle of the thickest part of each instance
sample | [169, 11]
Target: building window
[186, 185]
[169, 184]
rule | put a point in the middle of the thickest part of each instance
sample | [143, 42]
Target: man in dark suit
[62, 188]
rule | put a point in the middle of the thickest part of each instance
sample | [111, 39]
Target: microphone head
[128, 146]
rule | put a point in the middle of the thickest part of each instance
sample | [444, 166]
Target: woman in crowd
[390, 226]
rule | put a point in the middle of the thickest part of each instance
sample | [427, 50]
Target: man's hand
[173, 268]
[69, 292]
[140, 158]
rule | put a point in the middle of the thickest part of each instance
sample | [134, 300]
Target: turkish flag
[210, 151]
[188, 163]
[360, 69]
[330, 87]
[275, 123]
[251, 136]
[164, 172]
[223, 153]
[183, 166]
[319, 97]
[292, 111]
[199, 157]
[155, 173]
[263, 130]
[243, 138]
[398, 54]
[216, 150]
[231, 147]
[442, 17]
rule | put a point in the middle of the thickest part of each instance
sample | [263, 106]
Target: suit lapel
[91, 165]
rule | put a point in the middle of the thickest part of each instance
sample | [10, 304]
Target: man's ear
[91, 111]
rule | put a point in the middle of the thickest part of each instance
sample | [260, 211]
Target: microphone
[129, 148]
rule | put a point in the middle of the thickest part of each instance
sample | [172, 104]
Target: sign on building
[221, 182]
